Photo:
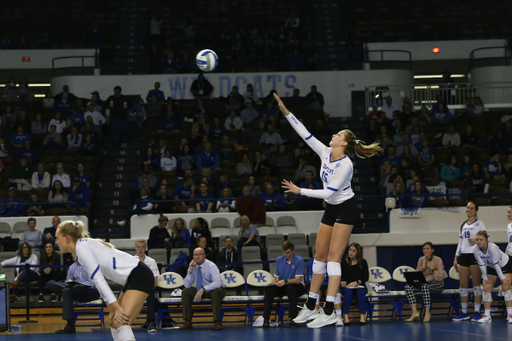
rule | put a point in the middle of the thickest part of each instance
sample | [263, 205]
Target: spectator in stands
[270, 136]
[310, 179]
[65, 90]
[254, 187]
[294, 62]
[119, 106]
[96, 101]
[261, 167]
[151, 181]
[49, 257]
[391, 157]
[223, 183]
[229, 254]
[248, 114]
[38, 127]
[168, 162]
[272, 200]
[23, 121]
[451, 138]
[40, 178]
[17, 140]
[22, 174]
[85, 178]
[425, 154]
[28, 153]
[476, 181]
[149, 160]
[441, 115]
[209, 285]
[492, 168]
[227, 151]
[204, 200]
[202, 243]
[246, 192]
[97, 118]
[433, 270]
[58, 122]
[49, 233]
[217, 129]
[90, 146]
[67, 128]
[186, 159]
[58, 194]
[226, 202]
[450, 170]
[390, 183]
[296, 100]
[63, 105]
[185, 191]
[159, 237]
[180, 236]
[498, 144]
[163, 207]
[206, 173]
[159, 94]
[355, 275]
[407, 114]
[200, 128]
[200, 108]
[269, 110]
[303, 167]
[77, 118]
[383, 137]
[74, 139]
[32, 237]
[25, 255]
[248, 234]
[154, 108]
[78, 286]
[287, 281]
[208, 158]
[406, 141]
[233, 122]
[234, 103]
[466, 167]
[315, 100]
[282, 159]
[79, 195]
[8, 119]
[48, 101]
[10, 91]
[476, 109]
[201, 87]
[407, 167]
[171, 64]
[251, 95]
[244, 168]
[61, 176]
[200, 229]
[389, 107]
[419, 196]
[399, 194]
[35, 209]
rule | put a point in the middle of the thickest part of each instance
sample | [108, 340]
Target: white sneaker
[339, 321]
[485, 319]
[322, 320]
[121, 223]
[305, 315]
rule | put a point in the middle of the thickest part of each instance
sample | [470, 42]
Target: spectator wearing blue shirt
[149, 160]
[208, 158]
[159, 94]
[169, 123]
[418, 196]
[85, 178]
[269, 110]
[288, 281]
[78, 287]
[77, 118]
[180, 235]
[79, 194]
[391, 157]
[217, 129]
[233, 104]
[17, 139]
[450, 170]
[492, 168]
[308, 179]
[441, 116]
[185, 191]
[271, 200]
[425, 154]
[90, 147]
[28, 153]
[49, 233]
[200, 109]
[63, 105]
[204, 200]
[10, 206]
[224, 182]
[399, 194]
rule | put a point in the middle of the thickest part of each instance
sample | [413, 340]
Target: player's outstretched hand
[281, 106]
[290, 187]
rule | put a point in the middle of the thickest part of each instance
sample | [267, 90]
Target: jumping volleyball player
[340, 214]
[102, 261]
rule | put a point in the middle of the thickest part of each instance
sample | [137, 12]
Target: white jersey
[494, 258]
[102, 263]
[336, 175]
[508, 251]
[151, 263]
[469, 231]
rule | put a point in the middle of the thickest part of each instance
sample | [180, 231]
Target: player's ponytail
[75, 229]
[362, 150]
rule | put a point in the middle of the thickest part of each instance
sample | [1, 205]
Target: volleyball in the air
[207, 60]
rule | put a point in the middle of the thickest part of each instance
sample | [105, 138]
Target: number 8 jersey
[469, 230]
[336, 175]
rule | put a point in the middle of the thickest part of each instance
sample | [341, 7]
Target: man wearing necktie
[208, 285]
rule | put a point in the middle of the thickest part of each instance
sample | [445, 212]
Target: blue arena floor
[438, 330]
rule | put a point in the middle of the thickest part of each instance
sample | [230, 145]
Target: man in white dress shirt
[389, 107]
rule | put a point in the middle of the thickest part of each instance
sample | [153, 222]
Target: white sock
[509, 310]
[477, 307]
[487, 312]
[338, 312]
[464, 307]
[313, 295]
[330, 299]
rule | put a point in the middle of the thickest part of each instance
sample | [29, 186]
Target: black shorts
[467, 259]
[345, 213]
[141, 278]
[507, 269]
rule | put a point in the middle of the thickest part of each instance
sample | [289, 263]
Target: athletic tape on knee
[333, 269]
[125, 333]
[115, 336]
[319, 268]
[507, 295]
[477, 291]
[487, 297]
[463, 292]
[337, 299]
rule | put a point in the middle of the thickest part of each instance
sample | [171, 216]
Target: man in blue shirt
[208, 158]
[78, 287]
[308, 179]
[17, 140]
[395, 160]
[288, 281]
[223, 183]
[185, 190]
[77, 118]
[204, 201]
[271, 200]
[63, 105]
[169, 123]
[79, 194]
[156, 92]
[209, 285]
[49, 233]
[9, 206]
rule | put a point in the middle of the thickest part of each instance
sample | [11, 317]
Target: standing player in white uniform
[140, 248]
[466, 264]
[508, 251]
[341, 213]
[494, 263]
[102, 262]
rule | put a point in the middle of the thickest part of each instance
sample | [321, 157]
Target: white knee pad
[319, 268]
[333, 269]
[337, 299]
[477, 291]
[463, 292]
[487, 297]
[115, 336]
[507, 295]
[125, 333]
